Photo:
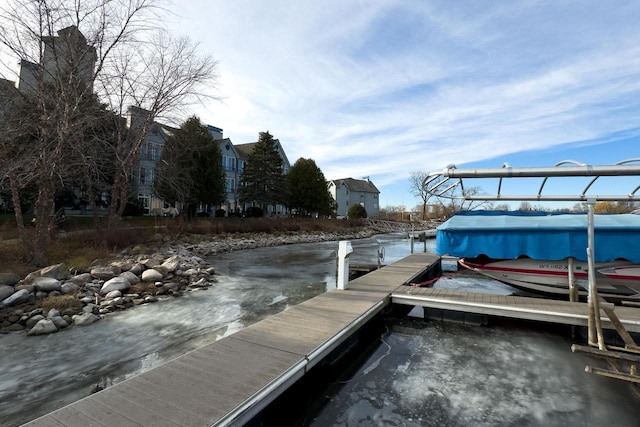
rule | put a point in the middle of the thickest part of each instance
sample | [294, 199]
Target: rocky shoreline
[54, 298]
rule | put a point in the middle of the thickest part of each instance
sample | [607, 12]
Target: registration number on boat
[549, 266]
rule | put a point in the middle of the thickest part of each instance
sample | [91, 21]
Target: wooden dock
[233, 379]
[538, 309]
[230, 381]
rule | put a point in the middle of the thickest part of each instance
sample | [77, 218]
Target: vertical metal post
[593, 303]
[412, 238]
[572, 282]
[344, 251]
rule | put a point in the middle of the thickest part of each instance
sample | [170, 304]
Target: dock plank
[172, 412]
[129, 413]
[69, 416]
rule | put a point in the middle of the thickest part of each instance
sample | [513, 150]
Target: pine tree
[307, 189]
[190, 167]
[263, 181]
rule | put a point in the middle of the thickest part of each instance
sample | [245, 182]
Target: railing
[444, 183]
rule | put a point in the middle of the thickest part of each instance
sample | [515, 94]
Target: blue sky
[384, 88]
[381, 88]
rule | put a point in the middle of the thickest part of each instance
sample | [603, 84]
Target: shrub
[254, 212]
[133, 208]
[143, 288]
[62, 302]
[356, 211]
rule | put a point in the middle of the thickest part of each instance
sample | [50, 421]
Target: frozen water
[443, 374]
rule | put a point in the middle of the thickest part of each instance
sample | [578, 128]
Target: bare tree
[458, 197]
[418, 189]
[160, 79]
[99, 44]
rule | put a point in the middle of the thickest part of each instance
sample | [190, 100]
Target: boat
[616, 281]
[531, 250]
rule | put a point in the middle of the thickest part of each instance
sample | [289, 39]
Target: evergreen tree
[307, 189]
[263, 181]
[356, 211]
[190, 168]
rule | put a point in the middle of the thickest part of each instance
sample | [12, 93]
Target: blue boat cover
[539, 235]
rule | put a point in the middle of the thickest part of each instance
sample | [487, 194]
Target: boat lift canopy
[439, 184]
[444, 183]
[538, 235]
[435, 182]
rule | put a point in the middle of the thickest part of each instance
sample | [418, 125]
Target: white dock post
[344, 250]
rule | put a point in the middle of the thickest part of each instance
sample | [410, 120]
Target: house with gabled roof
[234, 159]
[232, 165]
[348, 191]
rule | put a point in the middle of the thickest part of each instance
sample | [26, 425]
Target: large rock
[6, 291]
[18, 297]
[29, 288]
[132, 278]
[46, 284]
[59, 322]
[56, 271]
[137, 269]
[69, 288]
[116, 284]
[122, 265]
[152, 261]
[9, 279]
[43, 327]
[113, 294]
[151, 275]
[172, 264]
[105, 273]
[81, 279]
[32, 321]
[85, 319]
[90, 308]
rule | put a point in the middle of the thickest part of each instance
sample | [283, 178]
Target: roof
[361, 185]
[245, 149]
[539, 235]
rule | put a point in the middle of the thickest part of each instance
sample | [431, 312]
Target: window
[145, 176]
[145, 151]
[228, 163]
[230, 185]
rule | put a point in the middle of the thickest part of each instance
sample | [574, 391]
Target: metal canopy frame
[441, 184]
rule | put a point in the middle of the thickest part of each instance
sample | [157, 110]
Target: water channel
[420, 373]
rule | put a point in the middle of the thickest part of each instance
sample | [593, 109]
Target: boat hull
[615, 281]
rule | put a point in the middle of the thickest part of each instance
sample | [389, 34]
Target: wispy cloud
[382, 88]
